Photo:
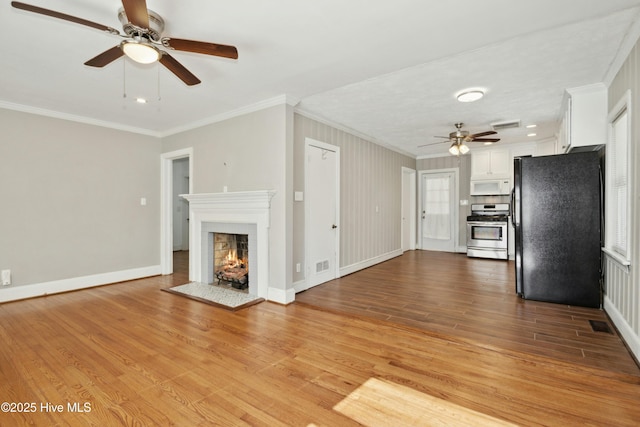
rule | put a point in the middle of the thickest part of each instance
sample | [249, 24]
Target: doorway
[167, 202]
[439, 210]
[408, 225]
[322, 212]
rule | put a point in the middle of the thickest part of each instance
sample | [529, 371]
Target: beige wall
[370, 176]
[622, 296]
[249, 152]
[70, 197]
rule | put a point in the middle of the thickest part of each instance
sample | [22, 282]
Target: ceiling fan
[460, 137]
[142, 34]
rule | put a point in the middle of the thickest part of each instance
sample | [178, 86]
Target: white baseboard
[281, 296]
[300, 285]
[369, 262]
[75, 283]
[630, 337]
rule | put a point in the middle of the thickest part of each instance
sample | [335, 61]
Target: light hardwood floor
[139, 356]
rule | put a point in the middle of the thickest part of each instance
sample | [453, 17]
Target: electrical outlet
[6, 277]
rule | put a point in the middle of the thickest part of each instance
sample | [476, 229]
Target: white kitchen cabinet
[584, 122]
[490, 164]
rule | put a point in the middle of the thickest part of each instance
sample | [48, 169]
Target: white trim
[300, 285]
[261, 105]
[361, 265]
[75, 283]
[623, 105]
[631, 339]
[413, 209]
[77, 119]
[281, 296]
[307, 232]
[617, 258]
[166, 204]
[358, 134]
[456, 206]
[246, 207]
[628, 43]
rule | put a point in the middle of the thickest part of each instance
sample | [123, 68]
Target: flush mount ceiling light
[470, 95]
[140, 51]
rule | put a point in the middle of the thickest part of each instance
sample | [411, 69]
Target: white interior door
[438, 211]
[321, 213]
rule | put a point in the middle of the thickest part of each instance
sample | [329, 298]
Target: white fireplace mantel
[242, 207]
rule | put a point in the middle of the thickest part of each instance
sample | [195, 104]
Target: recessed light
[141, 100]
[531, 134]
[470, 95]
[531, 126]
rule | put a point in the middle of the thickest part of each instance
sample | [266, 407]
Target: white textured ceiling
[386, 69]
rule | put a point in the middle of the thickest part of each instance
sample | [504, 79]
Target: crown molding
[75, 118]
[261, 105]
[328, 122]
[630, 40]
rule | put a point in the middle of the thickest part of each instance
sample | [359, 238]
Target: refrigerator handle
[512, 207]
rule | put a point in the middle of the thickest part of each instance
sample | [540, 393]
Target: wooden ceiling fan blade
[178, 69]
[137, 13]
[485, 140]
[489, 132]
[63, 16]
[433, 143]
[106, 57]
[214, 49]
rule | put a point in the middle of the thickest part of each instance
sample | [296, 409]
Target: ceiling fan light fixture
[454, 149]
[141, 52]
[463, 149]
[470, 95]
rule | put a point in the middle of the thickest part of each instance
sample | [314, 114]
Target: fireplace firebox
[231, 259]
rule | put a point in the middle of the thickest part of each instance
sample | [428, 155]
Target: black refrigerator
[557, 214]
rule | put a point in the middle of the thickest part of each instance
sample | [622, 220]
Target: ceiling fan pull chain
[158, 68]
[124, 79]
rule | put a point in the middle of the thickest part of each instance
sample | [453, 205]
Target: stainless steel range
[487, 231]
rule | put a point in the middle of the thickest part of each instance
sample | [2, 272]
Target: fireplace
[231, 259]
[236, 213]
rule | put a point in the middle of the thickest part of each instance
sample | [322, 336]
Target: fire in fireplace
[231, 259]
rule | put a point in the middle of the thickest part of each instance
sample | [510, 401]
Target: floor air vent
[600, 326]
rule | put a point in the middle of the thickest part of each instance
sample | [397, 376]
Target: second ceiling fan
[142, 36]
[460, 138]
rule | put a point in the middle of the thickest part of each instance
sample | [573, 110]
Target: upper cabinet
[490, 164]
[584, 121]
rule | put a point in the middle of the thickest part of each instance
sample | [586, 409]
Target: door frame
[410, 194]
[456, 203]
[166, 205]
[307, 211]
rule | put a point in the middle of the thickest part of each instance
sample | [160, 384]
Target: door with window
[438, 211]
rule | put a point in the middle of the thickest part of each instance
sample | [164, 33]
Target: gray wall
[70, 197]
[370, 176]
